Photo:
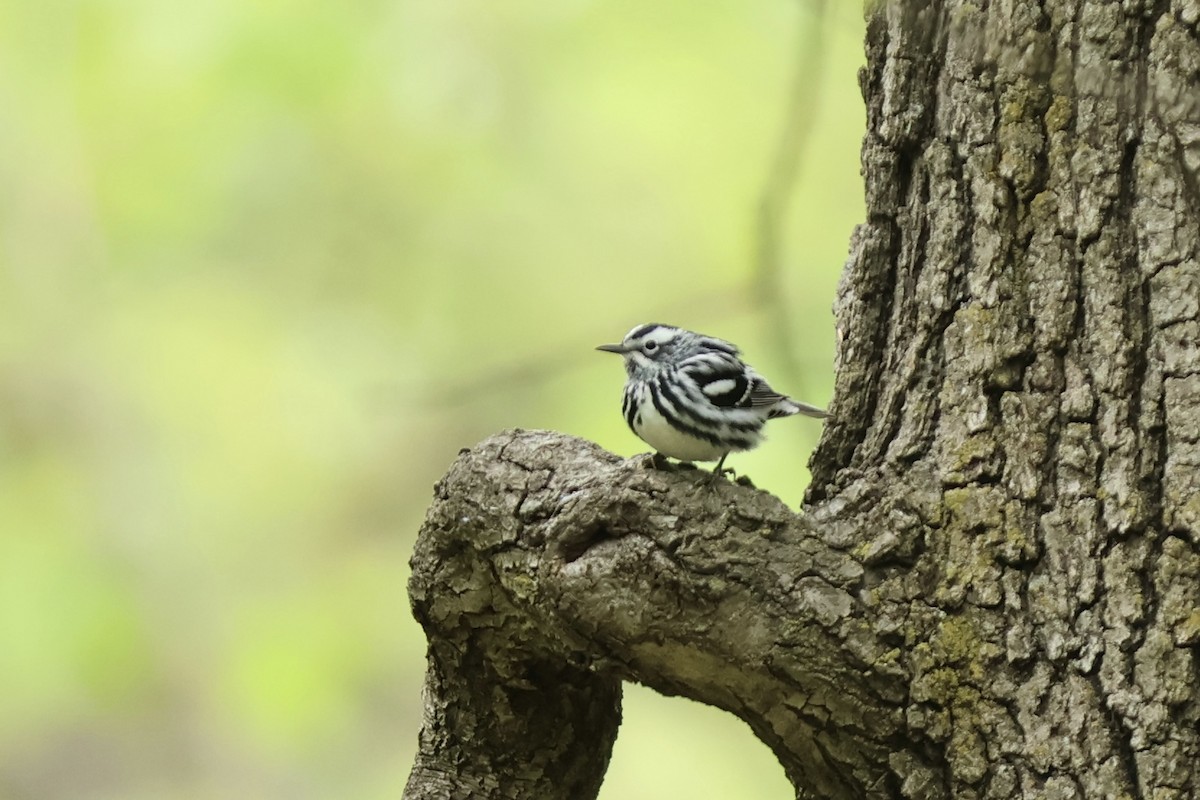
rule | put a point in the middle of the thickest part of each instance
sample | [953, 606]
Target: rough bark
[994, 588]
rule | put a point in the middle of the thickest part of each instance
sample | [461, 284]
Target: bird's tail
[787, 407]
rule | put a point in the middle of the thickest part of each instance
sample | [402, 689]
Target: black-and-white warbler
[691, 397]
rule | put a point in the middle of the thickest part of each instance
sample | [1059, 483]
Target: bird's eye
[650, 347]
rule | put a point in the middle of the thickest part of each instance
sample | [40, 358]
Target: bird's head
[648, 349]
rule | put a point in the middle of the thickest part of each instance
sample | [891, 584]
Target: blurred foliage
[266, 266]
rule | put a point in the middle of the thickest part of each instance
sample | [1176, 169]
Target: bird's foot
[656, 461]
[720, 470]
[731, 473]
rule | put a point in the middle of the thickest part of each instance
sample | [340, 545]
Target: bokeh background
[266, 266]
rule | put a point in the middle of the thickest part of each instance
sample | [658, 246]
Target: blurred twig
[766, 287]
[541, 367]
[775, 203]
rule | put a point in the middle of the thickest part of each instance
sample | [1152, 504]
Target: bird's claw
[656, 461]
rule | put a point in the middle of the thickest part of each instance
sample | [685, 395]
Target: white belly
[670, 441]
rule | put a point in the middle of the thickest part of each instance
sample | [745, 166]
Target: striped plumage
[691, 397]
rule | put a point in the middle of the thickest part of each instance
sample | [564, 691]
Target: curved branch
[543, 576]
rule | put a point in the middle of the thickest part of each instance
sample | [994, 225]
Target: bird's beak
[613, 348]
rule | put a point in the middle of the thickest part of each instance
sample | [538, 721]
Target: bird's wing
[762, 395]
[725, 381]
[721, 378]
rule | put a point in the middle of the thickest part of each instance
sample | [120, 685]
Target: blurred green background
[266, 266]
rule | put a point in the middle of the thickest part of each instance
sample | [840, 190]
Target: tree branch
[549, 570]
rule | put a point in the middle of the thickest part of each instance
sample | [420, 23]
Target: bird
[693, 398]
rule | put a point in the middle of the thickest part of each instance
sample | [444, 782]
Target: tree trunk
[994, 588]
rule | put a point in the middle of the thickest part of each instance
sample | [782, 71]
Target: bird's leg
[719, 469]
